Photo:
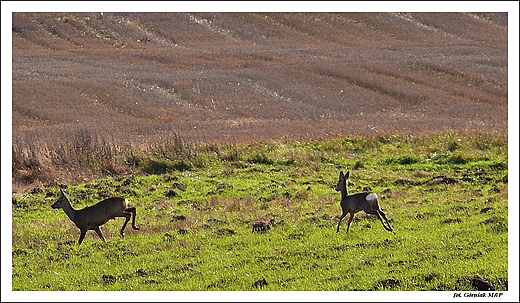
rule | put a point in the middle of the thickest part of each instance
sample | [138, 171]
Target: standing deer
[351, 204]
[92, 217]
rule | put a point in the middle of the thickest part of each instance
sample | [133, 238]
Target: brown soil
[225, 77]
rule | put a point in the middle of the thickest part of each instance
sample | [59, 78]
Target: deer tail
[371, 197]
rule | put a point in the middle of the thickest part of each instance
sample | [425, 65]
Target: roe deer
[351, 204]
[92, 217]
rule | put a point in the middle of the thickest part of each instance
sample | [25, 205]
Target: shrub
[452, 146]
[408, 159]
[260, 159]
[156, 166]
[457, 159]
[403, 160]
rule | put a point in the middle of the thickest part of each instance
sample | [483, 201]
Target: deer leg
[127, 218]
[378, 213]
[350, 218]
[132, 210]
[99, 233]
[341, 218]
[380, 219]
[389, 228]
[82, 234]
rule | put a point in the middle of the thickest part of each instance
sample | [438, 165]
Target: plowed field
[137, 78]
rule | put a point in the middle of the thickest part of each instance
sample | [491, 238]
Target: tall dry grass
[79, 154]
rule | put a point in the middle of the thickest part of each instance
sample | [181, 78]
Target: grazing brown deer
[351, 204]
[92, 217]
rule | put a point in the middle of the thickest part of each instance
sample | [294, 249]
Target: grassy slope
[446, 197]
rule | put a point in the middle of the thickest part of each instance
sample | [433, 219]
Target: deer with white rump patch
[351, 204]
[92, 217]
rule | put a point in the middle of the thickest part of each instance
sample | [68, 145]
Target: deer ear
[348, 174]
[341, 174]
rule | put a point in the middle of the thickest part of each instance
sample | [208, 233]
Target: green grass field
[446, 197]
